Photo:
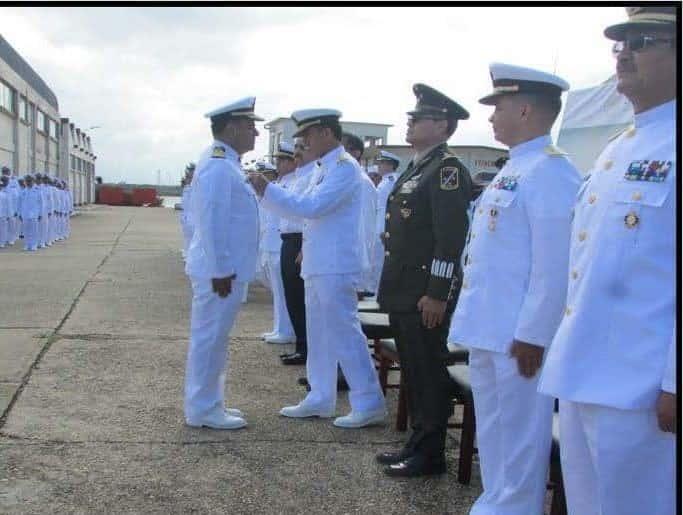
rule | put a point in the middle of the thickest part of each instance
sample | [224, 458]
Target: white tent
[591, 117]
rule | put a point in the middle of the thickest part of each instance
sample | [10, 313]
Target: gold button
[404, 202]
[568, 311]
[424, 267]
[631, 132]
[592, 198]
[386, 253]
[386, 235]
[582, 235]
[391, 197]
[637, 195]
[575, 274]
[607, 164]
[387, 216]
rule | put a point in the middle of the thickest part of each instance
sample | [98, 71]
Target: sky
[147, 75]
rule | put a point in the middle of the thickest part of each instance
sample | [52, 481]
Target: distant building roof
[276, 120]
[24, 70]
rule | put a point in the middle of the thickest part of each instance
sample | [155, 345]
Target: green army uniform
[425, 231]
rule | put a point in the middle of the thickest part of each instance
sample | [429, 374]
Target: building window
[6, 97]
[52, 125]
[73, 162]
[40, 119]
[23, 109]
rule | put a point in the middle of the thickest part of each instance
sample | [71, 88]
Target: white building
[33, 137]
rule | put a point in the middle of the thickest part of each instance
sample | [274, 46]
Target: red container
[111, 195]
[142, 196]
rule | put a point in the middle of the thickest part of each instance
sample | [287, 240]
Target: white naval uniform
[271, 242]
[614, 351]
[225, 242]
[30, 210]
[42, 223]
[186, 218]
[383, 191]
[367, 233]
[15, 225]
[5, 209]
[514, 287]
[69, 212]
[331, 268]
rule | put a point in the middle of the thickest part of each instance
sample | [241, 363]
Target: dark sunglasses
[637, 43]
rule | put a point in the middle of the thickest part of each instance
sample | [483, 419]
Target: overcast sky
[148, 75]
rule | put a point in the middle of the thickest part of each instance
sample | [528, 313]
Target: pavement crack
[53, 336]
[29, 440]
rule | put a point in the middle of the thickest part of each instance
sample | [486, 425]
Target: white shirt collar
[332, 156]
[531, 145]
[662, 112]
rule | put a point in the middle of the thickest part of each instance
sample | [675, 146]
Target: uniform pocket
[636, 205]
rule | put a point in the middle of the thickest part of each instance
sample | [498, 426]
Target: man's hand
[299, 258]
[432, 311]
[529, 357]
[666, 412]
[223, 286]
[258, 182]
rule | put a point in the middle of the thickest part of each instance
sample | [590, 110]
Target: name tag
[648, 171]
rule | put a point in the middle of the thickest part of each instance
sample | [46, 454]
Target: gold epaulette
[343, 158]
[552, 150]
[218, 152]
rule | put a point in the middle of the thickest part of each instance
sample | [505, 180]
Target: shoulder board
[218, 152]
[620, 132]
[450, 159]
[552, 150]
[343, 158]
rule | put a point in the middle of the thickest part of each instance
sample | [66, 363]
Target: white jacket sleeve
[337, 185]
[549, 209]
[212, 201]
[669, 380]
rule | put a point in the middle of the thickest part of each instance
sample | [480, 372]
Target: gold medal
[631, 220]
[405, 212]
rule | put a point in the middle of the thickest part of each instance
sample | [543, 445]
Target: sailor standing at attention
[612, 363]
[513, 290]
[30, 212]
[221, 260]
[387, 165]
[331, 268]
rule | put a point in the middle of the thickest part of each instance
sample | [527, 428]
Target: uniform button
[387, 216]
[637, 195]
[404, 202]
[386, 235]
[424, 267]
[568, 311]
[631, 132]
[582, 235]
[592, 198]
[386, 252]
[575, 274]
[391, 197]
[608, 164]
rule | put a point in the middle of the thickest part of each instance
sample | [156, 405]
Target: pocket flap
[647, 194]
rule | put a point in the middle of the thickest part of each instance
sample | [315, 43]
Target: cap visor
[618, 32]
[490, 100]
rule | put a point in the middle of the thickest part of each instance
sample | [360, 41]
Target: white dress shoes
[302, 410]
[220, 420]
[279, 339]
[357, 419]
[267, 335]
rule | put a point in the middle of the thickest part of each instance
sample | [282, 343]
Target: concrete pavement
[93, 334]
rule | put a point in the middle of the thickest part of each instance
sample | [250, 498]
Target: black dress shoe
[342, 385]
[393, 457]
[287, 355]
[295, 359]
[415, 466]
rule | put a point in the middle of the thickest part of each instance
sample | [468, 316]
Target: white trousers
[335, 338]
[42, 226]
[211, 320]
[30, 230]
[282, 325]
[4, 231]
[514, 435]
[15, 228]
[616, 462]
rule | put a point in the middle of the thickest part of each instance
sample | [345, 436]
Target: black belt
[291, 236]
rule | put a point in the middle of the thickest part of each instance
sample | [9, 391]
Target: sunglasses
[638, 43]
